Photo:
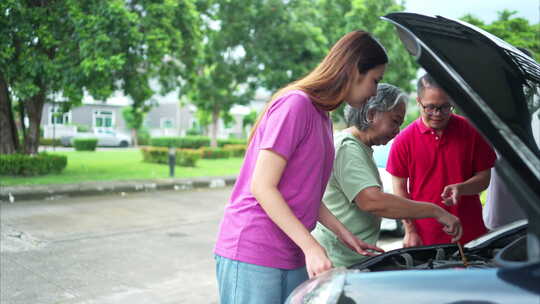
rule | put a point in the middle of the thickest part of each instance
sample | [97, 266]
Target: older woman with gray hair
[354, 193]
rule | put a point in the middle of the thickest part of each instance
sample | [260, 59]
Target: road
[153, 247]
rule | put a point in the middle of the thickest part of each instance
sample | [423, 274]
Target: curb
[49, 192]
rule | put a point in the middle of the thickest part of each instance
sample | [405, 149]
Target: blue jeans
[243, 283]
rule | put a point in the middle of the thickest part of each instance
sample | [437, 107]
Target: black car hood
[490, 81]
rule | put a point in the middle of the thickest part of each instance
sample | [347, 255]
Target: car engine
[510, 246]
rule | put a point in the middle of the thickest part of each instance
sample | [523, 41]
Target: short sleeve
[483, 154]
[397, 164]
[352, 170]
[287, 123]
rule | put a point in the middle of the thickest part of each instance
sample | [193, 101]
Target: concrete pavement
[153, 247]
[144, 247]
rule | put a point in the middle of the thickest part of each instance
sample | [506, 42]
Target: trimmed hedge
[231, 141]
[188, 157]
[50, 142]
[22, 164]
[85, 144]
[160, 155]
[236, 150]
[192, 142]
[213, 153]
[187, 142]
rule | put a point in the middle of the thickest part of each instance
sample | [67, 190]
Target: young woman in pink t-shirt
[264, 247]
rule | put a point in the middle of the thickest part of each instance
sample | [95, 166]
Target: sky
[485, 10]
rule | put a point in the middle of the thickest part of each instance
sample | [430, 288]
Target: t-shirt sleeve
[287, 123]
[483, 155]
[353, 172]
[397, 164]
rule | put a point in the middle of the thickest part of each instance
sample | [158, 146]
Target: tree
[287, 39]
[514, 30]
[62, 50]
[249, 120]
[270, 43]
[204, 120]
[290, 38]
[134, 118]
[292, 47]
[224, 75]
[9, 141]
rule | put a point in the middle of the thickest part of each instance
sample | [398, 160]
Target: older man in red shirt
[445, 161]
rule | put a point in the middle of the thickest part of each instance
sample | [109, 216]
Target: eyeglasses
[432, 109]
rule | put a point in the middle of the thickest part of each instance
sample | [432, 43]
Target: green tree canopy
[64, 49]
[290, 38]
[270, 43]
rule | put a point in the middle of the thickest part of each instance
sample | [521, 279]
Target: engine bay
[447, 256]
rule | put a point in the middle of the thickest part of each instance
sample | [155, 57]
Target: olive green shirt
[354, 170]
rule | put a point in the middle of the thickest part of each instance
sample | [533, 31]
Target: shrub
[155, 154]
[164, 142]
[85, 144]
[50, 142]
[22, 164]
[193, 132]
[82, 128]
[231, 141]
[213, 153]
[187, 157]
[160, 155]
[143, 137]
[236, 150]
[187, 142]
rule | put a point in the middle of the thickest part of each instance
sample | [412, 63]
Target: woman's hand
[358, 245]
[317, 261]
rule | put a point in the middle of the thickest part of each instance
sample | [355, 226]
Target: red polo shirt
[431, 162]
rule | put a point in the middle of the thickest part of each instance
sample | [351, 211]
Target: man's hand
[451, 194]
[358, 245]
[412, 239]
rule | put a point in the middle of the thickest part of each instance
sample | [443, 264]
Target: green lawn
[122, 165]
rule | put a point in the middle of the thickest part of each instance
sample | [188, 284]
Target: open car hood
[494, 85]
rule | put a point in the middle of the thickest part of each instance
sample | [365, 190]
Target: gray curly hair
[388, 97]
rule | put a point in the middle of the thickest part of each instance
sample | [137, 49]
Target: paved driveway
[153, 247]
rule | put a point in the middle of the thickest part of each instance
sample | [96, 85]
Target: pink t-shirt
[300, 132]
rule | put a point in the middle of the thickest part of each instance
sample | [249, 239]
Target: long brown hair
[328, 84]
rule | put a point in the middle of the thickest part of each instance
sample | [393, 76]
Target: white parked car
[106, 138]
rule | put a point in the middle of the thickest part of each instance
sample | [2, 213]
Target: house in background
[90, 116]
[169, 119]
[166, 118]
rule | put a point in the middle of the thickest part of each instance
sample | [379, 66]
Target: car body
[106, 138]
[495, 85]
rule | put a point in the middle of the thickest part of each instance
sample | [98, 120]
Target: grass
[122, 165]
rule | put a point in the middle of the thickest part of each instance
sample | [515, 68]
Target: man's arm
[474, 185]
[411, 238]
